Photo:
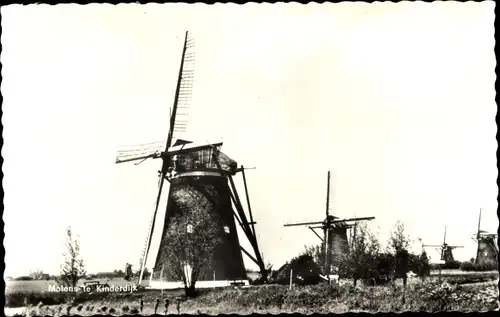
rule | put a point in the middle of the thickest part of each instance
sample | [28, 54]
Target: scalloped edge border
[497, 117]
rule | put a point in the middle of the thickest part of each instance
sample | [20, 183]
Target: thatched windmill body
[200, 176]
[487, 247]
[334, 240]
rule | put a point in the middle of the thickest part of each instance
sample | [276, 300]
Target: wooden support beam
[248, 231]
[248, 199]
[239, 207]
[242, 168]
[237, 212]
[249, 255]
[312, 229]
[244, 222]
[251, 237]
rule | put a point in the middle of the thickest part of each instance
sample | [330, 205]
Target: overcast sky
[396, 100]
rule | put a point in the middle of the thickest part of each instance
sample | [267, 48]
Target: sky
[396, 100]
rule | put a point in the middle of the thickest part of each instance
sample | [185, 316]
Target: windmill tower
[334, 238]
[200, 177]
[487, 247]
[445, 250]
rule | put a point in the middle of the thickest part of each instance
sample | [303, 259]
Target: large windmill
[445, 250]
[200, 176]
[487, 247]
[334, 238]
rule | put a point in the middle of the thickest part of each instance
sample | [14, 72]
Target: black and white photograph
[258, 158]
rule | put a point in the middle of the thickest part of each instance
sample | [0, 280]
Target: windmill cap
[181, 142]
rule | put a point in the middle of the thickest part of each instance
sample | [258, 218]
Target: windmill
[205, 175]
[334, 238]
[445, 250]
[487, 248]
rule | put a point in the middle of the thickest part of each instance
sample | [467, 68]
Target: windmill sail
[182, 97]
[139, 152]
[179, 116]
[183, 93]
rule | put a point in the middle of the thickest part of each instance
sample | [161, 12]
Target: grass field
[428, 295]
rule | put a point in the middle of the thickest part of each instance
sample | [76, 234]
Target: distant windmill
[487, 247]
[445, 250]
[200, 178]
[334, 232]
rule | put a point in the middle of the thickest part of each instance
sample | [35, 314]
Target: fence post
[161, 278]
[439, 278]
[291, 274]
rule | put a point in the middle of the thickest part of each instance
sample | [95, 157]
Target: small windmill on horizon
[200, 177]
[334, 240]
[445, 250]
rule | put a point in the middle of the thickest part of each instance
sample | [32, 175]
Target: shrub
[305, 271]
[19, 299]
[452, 265]
[486, 267]
[467, 266]
[125, 309]
[134, 310]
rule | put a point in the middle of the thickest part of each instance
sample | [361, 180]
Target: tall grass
[430, 295]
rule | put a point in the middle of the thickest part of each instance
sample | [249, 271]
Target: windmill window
[226, 229]
[189, 228]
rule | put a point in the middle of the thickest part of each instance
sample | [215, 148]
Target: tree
[424, 267]
[36, 274]
[361, 260]
[304, 269]
[398, 239]
[399, 245]
[191, 242]
[72, 268]
[318, 255]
